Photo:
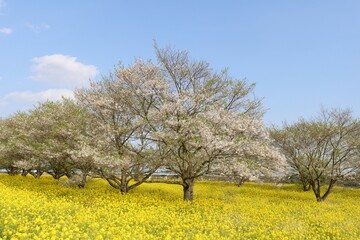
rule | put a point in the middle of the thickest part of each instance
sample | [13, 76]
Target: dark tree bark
[122, 183]
[12, 171]
[306, 187]
[81, 182]
[38, 173]
[305, 184]
[24, 172]
[317, 191]
[56, 175]
[188, 188]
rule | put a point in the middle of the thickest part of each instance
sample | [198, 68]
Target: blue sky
[302, 54]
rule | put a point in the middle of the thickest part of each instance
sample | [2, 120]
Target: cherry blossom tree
[203, 117]
[291, 140]
[62, 131]
[177, 113]
[268, 164]
[54, 137]
[324, 150]
[14, 143]
[120, 103]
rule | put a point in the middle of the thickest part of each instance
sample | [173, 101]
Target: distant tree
[54, 137]
[270, 166]
[292, 141]
[14, 143]
[323, 150]
[237, 171]
[62, 140]
[119, 103]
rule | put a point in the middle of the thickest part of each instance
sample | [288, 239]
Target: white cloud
[37, 27]
[6, 31]
[29, 96]
[62, 70]
[25, 100]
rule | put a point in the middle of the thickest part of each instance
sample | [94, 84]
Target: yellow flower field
[44, 209]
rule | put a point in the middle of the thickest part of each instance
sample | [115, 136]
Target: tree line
[180, 114]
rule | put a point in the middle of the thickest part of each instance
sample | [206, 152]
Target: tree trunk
[316, 189]
[12, 171]
[124, 183]
[24, 172]
[328, 191]
[82, 180]
[38, 173]
[188, 188]
[305, 184]
[56, 175]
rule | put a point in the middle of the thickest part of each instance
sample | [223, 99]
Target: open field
[45, 209]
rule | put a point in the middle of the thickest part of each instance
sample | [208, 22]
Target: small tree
[119, 104]
[15, 145]
[323, 150]
[291, 140]
[62, 131]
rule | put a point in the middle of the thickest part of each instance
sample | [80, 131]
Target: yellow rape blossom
[44, 209]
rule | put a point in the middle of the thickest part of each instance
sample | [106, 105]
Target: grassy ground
[44, 209]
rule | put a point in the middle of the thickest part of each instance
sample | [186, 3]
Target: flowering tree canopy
[15, 142]
[205, 118]
[323, 150]
[177, 113]
[54, 137]
[119, 104]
